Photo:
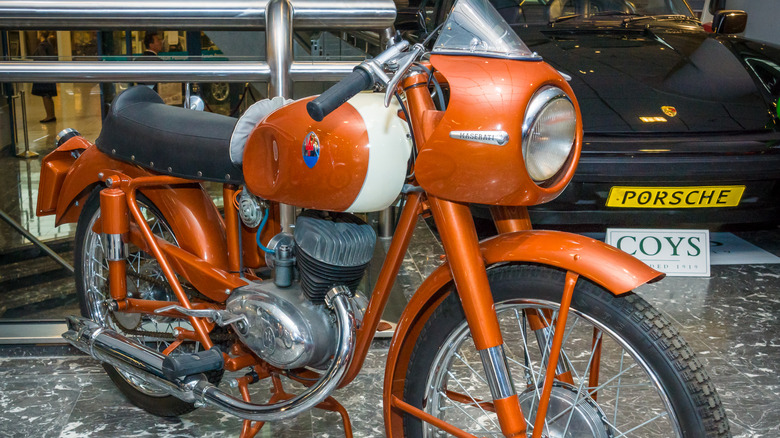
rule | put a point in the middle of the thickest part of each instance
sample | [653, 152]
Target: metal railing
[191, 14]
[276, 17]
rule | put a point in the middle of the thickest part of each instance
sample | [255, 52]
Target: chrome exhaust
[108, 346]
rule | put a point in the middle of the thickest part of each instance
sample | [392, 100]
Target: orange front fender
[192, 215]
[605, 265]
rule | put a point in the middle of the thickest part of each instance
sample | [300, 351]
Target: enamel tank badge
[311, 150]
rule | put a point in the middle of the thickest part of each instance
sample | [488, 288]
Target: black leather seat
[143, 130]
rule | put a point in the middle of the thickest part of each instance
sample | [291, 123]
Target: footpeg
[189, 364]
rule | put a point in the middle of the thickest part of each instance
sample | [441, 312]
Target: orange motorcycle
[525, 334]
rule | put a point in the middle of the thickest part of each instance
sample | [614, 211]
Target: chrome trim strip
[498, 138]
[114, 247]
[540, 99]
[191, 14]
[497, 372]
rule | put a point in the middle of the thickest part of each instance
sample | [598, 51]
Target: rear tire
[656, 378]
[145, 280]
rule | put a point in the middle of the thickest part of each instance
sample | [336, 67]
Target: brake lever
[406, 62]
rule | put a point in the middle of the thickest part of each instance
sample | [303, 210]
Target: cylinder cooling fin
[331, 249]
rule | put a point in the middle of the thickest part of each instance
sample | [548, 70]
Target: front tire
[650, 383]
[144, 280]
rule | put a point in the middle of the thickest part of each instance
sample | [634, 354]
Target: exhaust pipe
[108, 346]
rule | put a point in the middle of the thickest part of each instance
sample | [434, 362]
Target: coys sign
[674, 252]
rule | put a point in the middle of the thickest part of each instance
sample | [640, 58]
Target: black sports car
[681, 125]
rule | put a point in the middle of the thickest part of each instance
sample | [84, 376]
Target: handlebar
[336, 95]
[363, 77]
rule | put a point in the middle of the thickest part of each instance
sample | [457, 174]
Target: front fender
[615, 270]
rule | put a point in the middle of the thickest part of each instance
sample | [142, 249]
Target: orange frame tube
[130, 190]
[381, 293]
[555, 351]
[232, 227]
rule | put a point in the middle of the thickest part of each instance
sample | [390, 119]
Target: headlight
[548, 132]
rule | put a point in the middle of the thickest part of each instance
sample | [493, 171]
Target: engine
[286, 322]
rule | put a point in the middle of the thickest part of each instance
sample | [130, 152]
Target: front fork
[459, 238]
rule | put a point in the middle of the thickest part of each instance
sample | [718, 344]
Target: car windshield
[552, 11]
[475, 28]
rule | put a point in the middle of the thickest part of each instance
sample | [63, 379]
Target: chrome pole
[26, 153]
[35, 241]
[132, 71]
[190, 14]
[185, 71]
[279, 44]
[386, 224]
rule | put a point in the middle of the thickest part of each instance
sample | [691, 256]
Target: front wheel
[624, 371]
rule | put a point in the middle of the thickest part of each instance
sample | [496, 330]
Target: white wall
[763, 18]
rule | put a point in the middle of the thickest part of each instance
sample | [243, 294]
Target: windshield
[548, 11]
[475, 28]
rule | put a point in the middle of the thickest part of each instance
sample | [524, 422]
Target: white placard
[683, 253]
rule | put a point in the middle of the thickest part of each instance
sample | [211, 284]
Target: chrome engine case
[283, 327]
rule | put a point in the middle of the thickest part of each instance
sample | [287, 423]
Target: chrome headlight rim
[541, 99]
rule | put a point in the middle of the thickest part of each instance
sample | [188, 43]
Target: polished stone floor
[730, 319]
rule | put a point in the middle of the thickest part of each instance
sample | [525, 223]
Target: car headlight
[549, 129]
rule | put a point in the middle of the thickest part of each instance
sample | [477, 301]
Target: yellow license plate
[675, 197]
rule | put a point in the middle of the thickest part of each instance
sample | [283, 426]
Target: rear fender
[615, 270]
[192, 215]
[54, 168]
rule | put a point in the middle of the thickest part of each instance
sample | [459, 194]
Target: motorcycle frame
[214, 268]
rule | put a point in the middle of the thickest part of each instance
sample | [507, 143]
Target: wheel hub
[586, 419]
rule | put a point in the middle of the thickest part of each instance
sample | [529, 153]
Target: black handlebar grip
[336, 95]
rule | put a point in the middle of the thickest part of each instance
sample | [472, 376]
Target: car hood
[649, 80]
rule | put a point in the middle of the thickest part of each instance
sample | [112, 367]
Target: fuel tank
[354, 160]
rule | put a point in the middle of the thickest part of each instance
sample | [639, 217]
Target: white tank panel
[390, 146]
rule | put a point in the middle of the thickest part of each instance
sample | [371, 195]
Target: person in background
[153, 44]
[47, 90]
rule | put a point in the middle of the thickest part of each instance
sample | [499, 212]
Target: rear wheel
[640, 380]
[145, 280]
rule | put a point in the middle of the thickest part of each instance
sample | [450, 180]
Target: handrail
[184, 71]
[190, 14]
[276, 17]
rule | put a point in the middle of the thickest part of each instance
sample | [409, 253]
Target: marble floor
[730, 319]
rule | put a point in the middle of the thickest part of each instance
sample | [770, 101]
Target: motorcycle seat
[140, 128]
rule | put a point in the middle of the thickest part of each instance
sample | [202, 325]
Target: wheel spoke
[617, 391]
[596, 389]
[460, 408]
[661, 415]
[579, 390]
[475, 373]
[468, 394]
